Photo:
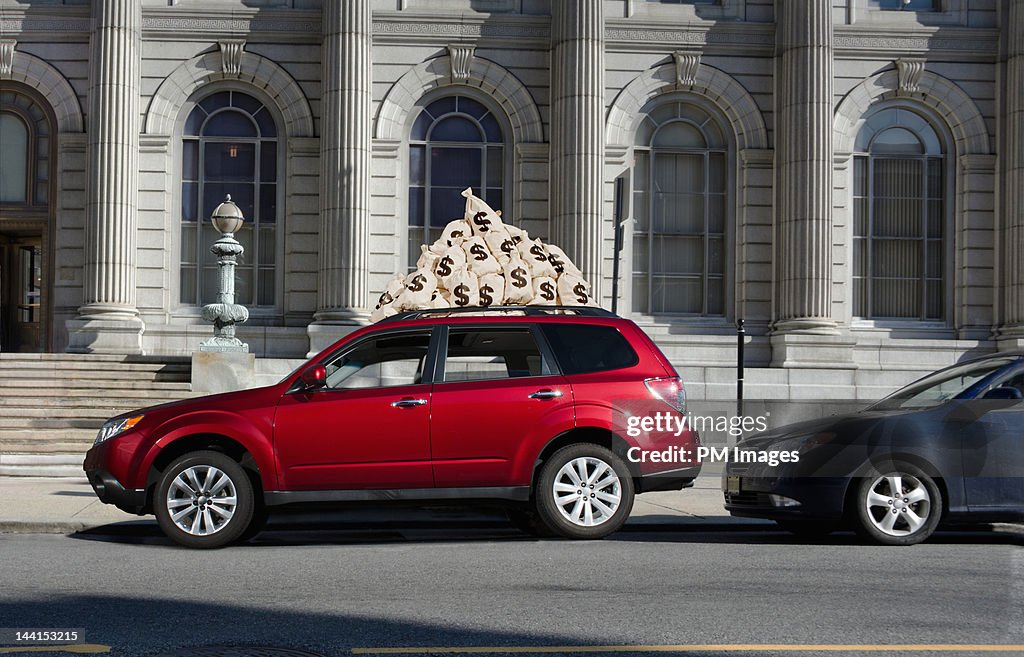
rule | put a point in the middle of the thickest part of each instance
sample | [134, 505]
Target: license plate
[732, 484]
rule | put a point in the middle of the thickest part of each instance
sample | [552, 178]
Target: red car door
[369, 428]
[496, 401]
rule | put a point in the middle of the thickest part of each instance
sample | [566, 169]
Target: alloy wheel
[898, 504]
[202, 500]
[587, 491]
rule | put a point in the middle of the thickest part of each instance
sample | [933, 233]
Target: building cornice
[965, 44]
[443, 30]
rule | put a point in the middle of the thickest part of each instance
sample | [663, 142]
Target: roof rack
[532, 311]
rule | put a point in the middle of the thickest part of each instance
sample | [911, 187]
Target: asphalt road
[334, 591]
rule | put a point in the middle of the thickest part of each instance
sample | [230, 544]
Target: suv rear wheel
[584, 491]
[204, 500]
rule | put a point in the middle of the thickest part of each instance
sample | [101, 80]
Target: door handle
[546, 394]
[408, 403]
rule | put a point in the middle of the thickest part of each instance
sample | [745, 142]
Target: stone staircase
[51, 405]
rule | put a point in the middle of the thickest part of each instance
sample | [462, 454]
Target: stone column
[345, 147]
[109, 321]
[1011, 332]
[577, 134]
[803, 219]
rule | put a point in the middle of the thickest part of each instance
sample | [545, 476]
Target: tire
[570, 512]
[907, 517]
[527, 521]
[194, 520]
[806, 527]
[256, 524]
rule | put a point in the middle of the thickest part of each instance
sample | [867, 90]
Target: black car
[946, 448]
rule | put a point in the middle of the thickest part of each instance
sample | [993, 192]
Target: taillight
[669, 390]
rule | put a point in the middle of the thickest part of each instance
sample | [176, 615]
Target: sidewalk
[66, 505]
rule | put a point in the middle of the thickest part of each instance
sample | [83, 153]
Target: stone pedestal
[577, 134]
[345, 150]
[222, 371]
[108, 322]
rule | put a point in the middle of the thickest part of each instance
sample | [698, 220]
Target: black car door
[993, 449]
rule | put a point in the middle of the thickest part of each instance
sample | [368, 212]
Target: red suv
[536, 408]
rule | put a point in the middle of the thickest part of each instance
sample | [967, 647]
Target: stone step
[12, 364]
[11, 436]
[98, 386]
[78, 448]
[59, 376]
[59, 412]
[87, 398]
[40, 465]
[23, 423]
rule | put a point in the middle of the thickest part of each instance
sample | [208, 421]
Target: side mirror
[1004, 392]
[314, 378]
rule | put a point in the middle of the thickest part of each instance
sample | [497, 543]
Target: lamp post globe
[227, 217]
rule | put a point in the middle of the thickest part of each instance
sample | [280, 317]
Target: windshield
[941, 386]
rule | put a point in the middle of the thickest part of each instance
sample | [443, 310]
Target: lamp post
[227, 219]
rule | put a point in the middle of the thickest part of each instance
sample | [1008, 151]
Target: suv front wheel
[204, 500]
[584, 491]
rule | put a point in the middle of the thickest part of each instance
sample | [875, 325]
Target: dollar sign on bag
[455, 233]
[481, 221]
[479, 253]
[547, 291]
[485, 295]
[444, 267]
[461, 298]
[556, 263]
[518, 277]
[384, 300]
[538, 253]
[580, 292]
[507, 246]
[417, 282]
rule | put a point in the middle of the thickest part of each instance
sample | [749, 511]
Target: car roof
[500, 313]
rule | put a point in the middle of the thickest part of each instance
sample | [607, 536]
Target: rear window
[582, 349]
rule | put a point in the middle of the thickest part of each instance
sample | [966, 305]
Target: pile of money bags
[479, 262]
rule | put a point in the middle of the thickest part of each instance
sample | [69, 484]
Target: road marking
[80, 648]
[703, 647]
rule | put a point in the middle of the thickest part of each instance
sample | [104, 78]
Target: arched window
[679, 208]
[229, 146]
[455, 143]
[899, 244]
[24, 151]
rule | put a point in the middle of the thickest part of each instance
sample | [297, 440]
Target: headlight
[116, 427]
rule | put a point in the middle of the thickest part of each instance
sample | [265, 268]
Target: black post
[617, 220]
[740, 335]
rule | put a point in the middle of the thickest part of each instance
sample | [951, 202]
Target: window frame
[508, 151]
[32, 209]
[258, 315]
[949, 237]
[728, 236]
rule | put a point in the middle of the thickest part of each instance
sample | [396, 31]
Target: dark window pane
[244, 285]
[495, 167]
[189, 201]
[471, 107]
[419, 128]
[216, 101]
[583, 349]
[905, 5]
[229, 162]
[229, 124]
[455, 128]
[417, 207]
[935, 305]
[268, 246]
[492, 129]
[245, 102]
[446, 203]
[475, 355]
[268, 161]
[860, 176]
[495, 199]
[934, 177]
[417, 165]
[187, 282]
[716, 296]
[716, 173]
[194, 122]
[265, 121]
[188, 244]
[456, 167]
[266, 296]
[190, 160]
[441, 106]
[268, 204]
[241, 194]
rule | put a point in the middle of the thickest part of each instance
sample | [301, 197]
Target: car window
[941, 386]
[388, 360]
[481, 354]
[1015, 380]
[582, 348]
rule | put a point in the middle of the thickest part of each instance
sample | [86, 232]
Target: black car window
[481, 354]
[388, 360]
[941, 386]
[584, 348]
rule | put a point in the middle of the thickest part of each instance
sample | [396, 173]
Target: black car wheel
[204, 500]
[584, 491]
[899, 506]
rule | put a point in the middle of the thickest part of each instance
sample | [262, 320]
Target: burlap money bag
[545, 291]
[383, 312]
[479, 215]
[500, 244]
[479, 258]
[560, 262]
[419, 289]
[492, 290]
[518, 282]
[453, 234]
[517, 234]
[533, 253]
[464, 290]
[573, 291]
[439, 300]
[391, 292]
[428, 259]
[453, 260]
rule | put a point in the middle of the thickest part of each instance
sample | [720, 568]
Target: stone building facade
[844, 175]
